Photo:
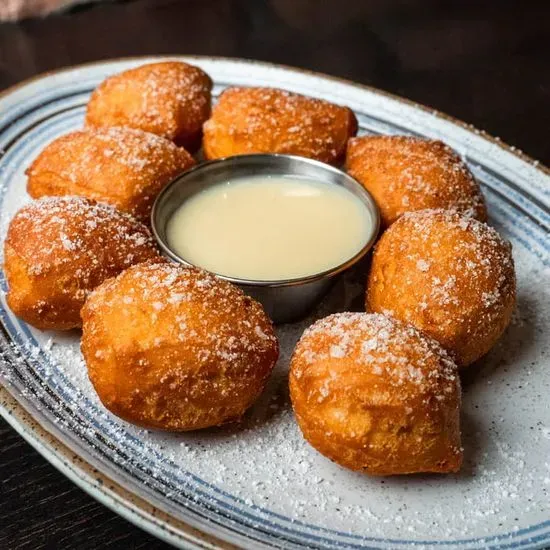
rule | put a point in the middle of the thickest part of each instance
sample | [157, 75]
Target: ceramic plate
[259, 485]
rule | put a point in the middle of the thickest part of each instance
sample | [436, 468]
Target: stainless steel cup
[283, 300]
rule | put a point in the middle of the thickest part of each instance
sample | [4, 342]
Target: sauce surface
[270, 227]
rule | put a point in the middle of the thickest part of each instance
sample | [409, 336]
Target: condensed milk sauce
[270, 228]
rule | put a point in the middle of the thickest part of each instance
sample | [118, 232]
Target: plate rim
[129, 505]
[100, 486]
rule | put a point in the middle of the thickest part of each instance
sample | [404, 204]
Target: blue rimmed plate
[259, 485]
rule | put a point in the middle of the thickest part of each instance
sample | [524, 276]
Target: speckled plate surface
[259, 485]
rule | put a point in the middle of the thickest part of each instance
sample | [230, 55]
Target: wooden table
[486, 64]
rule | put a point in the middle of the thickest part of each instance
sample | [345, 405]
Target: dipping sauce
[270, 228]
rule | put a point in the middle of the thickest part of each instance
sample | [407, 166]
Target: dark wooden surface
[485, 62]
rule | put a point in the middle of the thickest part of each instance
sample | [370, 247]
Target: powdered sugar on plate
[266, 463]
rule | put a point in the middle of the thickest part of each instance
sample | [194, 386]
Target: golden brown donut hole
[176, 348]
[405, 174]
[269, 120]
[58, 249]
[167, 98]
[120, 166]
[376, 395]
[451, 277]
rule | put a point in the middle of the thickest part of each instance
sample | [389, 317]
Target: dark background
[485, 62]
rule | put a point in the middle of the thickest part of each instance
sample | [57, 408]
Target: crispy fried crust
[170, 99]
[175, 348]
[376, 395]
[405, 174]
[120, 166]
[60, 248]
[268, 120]
[450, 276]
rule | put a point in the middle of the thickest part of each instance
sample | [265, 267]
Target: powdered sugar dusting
[255, 120]
[376, 344]
[453, 273]
[409, 173]
[74, 231]
[181, 304]
[122, 166]
[168, 98]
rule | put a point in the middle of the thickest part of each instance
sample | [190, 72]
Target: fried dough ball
[170, 99]
[176, 348]
[120, 166]
[58, 249]
[451, 277]
[405, 174]
[268, 120]
[376, 395]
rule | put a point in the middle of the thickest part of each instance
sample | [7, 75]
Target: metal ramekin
[283, 300]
